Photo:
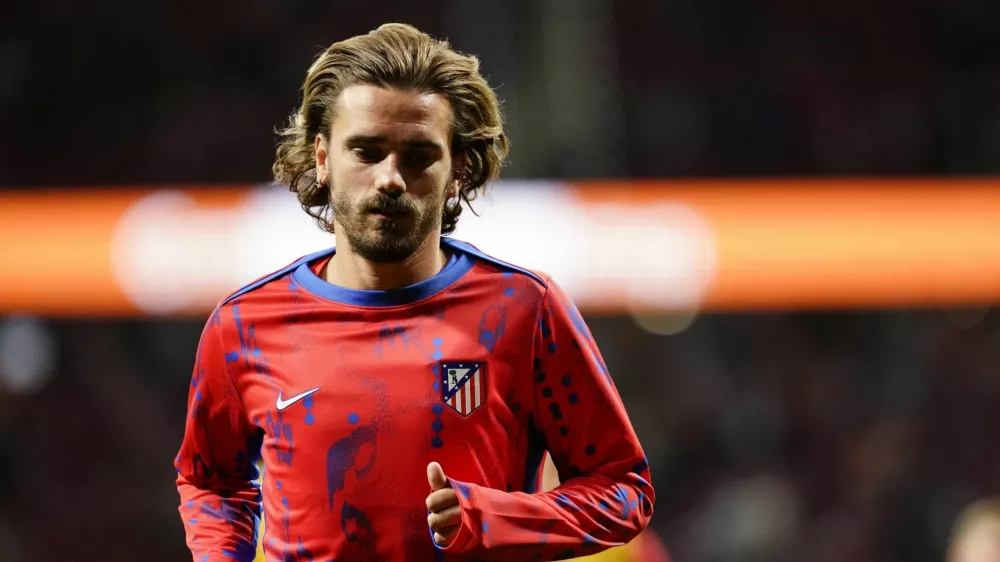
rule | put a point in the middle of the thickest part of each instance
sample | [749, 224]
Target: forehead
[394, 113]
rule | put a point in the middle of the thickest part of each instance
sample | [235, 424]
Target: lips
[388, 213]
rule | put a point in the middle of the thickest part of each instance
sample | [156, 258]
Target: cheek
[344, 202]
[436, 184]
[349, 174]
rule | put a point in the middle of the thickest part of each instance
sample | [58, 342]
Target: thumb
[436, 477]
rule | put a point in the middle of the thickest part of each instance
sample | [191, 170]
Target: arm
[605, 498]
[220, 504]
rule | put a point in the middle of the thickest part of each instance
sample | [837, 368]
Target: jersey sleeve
[605, 498]
[216, 464]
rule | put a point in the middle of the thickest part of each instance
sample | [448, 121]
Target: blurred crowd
[824, 438]
[183, 91]
[771, 437]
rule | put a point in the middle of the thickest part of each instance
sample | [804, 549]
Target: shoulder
[537, 279]
[272, 276]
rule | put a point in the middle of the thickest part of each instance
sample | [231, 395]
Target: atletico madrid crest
[463, 385]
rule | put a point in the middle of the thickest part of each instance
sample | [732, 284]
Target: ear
[457, 172]
[321, 147]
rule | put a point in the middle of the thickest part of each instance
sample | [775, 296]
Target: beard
[385, 240]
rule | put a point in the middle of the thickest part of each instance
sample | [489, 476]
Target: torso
[345, 465]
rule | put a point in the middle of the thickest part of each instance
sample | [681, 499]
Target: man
[400, 390]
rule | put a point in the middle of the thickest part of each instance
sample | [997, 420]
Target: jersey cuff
[468, 532]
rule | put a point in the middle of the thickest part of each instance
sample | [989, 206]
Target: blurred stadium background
[780, 219]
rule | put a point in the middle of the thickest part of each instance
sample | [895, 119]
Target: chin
[387, 241]
[386, 249]
[386, 256]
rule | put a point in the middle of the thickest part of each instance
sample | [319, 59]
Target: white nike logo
[283, 404]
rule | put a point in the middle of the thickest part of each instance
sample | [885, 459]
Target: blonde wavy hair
[395, 56]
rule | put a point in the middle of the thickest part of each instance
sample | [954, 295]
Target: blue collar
[458, 265]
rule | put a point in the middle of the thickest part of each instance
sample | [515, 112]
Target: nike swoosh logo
[283, 404]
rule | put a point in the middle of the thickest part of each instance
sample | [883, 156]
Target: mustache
[388, 204]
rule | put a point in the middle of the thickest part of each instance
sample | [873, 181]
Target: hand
[446, 515]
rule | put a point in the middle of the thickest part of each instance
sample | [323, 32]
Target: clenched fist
[445, 515]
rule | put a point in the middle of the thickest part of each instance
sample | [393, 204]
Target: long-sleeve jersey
[344, 396]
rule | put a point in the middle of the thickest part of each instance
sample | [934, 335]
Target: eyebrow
[358, 140]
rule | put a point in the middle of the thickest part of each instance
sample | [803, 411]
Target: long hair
[397, 56]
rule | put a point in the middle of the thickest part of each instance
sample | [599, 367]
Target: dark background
[118, 92]
[843, 435]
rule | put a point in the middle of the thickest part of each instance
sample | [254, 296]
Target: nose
[389, 178]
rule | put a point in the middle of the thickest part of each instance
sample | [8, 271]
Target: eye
[367, 154]
[419, 160]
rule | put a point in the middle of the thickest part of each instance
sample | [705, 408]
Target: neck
[348, 269]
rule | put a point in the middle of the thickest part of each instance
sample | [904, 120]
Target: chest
[405, 381]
